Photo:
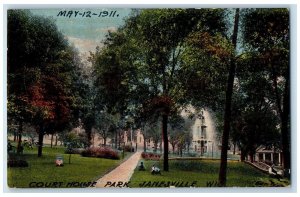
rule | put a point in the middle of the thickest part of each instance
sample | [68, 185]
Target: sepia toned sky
[86, 32]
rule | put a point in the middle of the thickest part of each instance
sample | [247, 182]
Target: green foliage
[141, 69]
[106, 124]
[40, 57]
[33, 56]
[72, 140]
[180, 132]
[273, 31]
[42, 74]
[141, 61]
[268, 62]
[254, 121]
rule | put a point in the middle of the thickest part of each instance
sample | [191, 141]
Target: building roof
[268, 149]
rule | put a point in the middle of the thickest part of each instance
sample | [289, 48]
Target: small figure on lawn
[142, 167]
[155, 170]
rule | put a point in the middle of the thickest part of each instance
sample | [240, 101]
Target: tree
[227, 114]
[176, 128]
[156, 136]
[163, 33]
[270, 44]
[72, 141]
[188, 136]
[30, 132]
[174, 139]
[255, 121]
[180, 132]
[154, 42]
[105, 124]
[40, 74]
[211, 54]
[84, 106]
[146, 134]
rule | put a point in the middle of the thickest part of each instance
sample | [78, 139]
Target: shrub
[17, 163]
[150, 156]
[100, 152]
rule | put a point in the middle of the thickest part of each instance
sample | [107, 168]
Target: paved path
[121, 173]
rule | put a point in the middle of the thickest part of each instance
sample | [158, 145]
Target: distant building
[269, 155]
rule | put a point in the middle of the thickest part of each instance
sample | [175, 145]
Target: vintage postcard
[148, 98]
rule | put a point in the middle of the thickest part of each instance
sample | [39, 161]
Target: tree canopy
[42, 71]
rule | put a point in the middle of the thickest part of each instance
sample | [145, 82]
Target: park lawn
[203, 172]
[43, 169]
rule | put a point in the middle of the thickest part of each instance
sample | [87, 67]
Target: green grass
[43, 169]
[203, 171]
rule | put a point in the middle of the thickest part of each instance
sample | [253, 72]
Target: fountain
[205, 141]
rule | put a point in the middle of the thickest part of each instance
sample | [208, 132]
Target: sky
[86, 32]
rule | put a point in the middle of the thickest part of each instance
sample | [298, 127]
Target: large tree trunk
[234, 145]
[89, 135]
[20, 131]
[166, 142]
[227, 114]
[56, 139]
[15, 136]
[121, 137]
[116, 139]
[155, 146]
[173, 148]
[243, 155]
[41, 138]
[145, 143]
[104, 141]
[51, 140]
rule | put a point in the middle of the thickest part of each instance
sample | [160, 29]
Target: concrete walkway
[122, 173]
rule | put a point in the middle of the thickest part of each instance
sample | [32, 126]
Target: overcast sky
[86, 32]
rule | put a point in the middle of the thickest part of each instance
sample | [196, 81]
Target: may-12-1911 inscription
[87, 14]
